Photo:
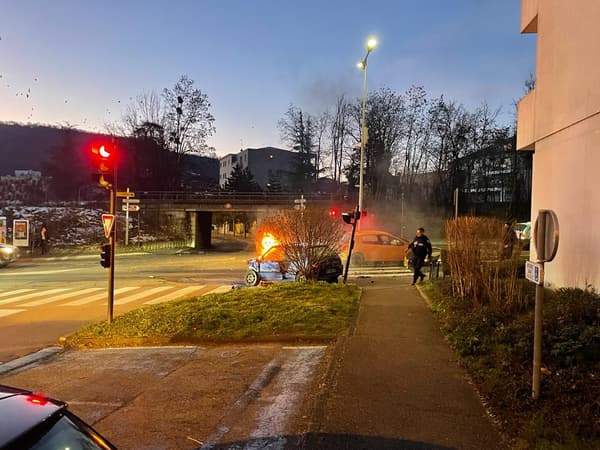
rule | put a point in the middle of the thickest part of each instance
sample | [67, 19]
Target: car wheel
[252, 278]
[357, 259]
[333, 280]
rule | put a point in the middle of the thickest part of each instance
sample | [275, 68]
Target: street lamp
[362, 64]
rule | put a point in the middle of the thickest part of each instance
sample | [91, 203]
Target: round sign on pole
[545, 235]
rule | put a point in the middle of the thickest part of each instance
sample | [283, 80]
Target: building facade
[559, 120]
[268, 165]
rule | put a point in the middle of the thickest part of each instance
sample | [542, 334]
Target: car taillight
[315, 266]
[37, 399]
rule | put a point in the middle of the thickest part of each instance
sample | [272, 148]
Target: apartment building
[559, 121]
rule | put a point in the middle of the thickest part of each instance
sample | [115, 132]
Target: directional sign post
[129, 205]
[300, 203]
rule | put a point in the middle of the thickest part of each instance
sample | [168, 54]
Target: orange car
[373, 246]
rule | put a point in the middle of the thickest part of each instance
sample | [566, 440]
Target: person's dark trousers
[418, 262]
[44, 247]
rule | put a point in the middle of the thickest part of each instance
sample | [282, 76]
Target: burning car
[298, 262]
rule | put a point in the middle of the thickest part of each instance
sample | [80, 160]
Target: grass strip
[305, 311]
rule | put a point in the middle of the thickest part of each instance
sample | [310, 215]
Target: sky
[81, 62]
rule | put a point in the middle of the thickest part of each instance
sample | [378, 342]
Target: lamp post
[362, 64]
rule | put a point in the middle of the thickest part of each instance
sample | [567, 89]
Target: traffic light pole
[112, 242]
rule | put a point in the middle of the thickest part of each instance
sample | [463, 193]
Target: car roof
[21, 410]
[360, 232]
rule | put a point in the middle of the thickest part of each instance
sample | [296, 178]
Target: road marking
[18, 291]
[32, 295]
[55, 298]
[37, 272]
[8, 312]
[102, 295]
[175, 295]
[143, 294]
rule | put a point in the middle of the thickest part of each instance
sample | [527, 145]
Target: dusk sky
[81, 62]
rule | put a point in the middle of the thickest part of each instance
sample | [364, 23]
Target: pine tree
[241, 180]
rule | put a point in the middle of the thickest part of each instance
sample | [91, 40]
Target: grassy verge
[301, 311]
[496, 347]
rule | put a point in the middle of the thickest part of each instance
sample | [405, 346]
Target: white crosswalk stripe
[24, 299]
[20, 298]
[100, 296]
[175, 295]
[143, 294]
[9, 312]
[18, 291]
[59, 297]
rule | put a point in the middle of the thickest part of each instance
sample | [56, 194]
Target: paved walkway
[396, 383]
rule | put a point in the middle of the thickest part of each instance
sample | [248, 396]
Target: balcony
[526, 122]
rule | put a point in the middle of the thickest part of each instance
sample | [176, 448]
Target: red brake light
[315, 266]
[37, 399]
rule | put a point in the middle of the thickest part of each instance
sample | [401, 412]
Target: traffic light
[334, 213]
[103, 157]
[105, 255]
[348, 216]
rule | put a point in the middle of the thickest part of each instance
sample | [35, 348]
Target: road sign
[107, 221]
[300, 200]
[131, 200]
[131, 208]
[534, 272]
[125, 194]
[545, 235]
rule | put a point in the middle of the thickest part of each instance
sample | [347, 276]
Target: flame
[267, 241]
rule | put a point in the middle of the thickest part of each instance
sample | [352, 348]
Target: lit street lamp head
[361, 64]
[371, 44]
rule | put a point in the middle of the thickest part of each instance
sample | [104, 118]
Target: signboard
[21, 233]
[545, 235]
[107, 221]
[125, 194]
[131, 200]
[130, 208]
[534, 272]
[3, 230]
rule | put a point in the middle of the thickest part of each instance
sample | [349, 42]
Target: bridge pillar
[201, 229]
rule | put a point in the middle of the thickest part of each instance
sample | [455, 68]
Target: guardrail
[243, 197]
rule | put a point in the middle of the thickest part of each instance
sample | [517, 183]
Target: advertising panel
[21, 233]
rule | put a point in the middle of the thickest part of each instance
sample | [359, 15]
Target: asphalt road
[43, 299]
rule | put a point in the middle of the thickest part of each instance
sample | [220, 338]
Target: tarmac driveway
[181, 397]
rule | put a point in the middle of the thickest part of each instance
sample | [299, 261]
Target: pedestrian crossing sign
[107, 222]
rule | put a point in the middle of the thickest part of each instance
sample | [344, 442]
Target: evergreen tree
[241, 180]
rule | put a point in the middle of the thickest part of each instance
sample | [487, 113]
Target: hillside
[25, 147]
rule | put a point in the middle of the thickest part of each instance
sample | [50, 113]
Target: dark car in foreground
[275, 265]
[34, 421]
[8, 254]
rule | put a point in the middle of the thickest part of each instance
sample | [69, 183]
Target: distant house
[268, 165]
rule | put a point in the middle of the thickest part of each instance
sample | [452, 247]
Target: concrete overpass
[198, 207]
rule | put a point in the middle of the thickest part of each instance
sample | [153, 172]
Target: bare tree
[339, 132]
[187, 119]
[307, 236]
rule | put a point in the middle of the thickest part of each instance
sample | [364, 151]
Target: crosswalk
[20, 300]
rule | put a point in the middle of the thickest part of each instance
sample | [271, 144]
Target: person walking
[44, 239]
[421, 249]
[509, 240]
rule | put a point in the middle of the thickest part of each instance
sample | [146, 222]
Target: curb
[29, 360]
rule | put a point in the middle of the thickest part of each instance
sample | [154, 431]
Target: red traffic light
[334, 212]
[103, 157]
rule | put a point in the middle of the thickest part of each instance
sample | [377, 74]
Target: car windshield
[62, 433]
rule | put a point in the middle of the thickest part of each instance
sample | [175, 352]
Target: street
[43, 299]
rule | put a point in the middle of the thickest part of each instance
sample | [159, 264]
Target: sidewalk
[396, 383]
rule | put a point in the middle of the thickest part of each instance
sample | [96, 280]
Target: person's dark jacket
[420, 246]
